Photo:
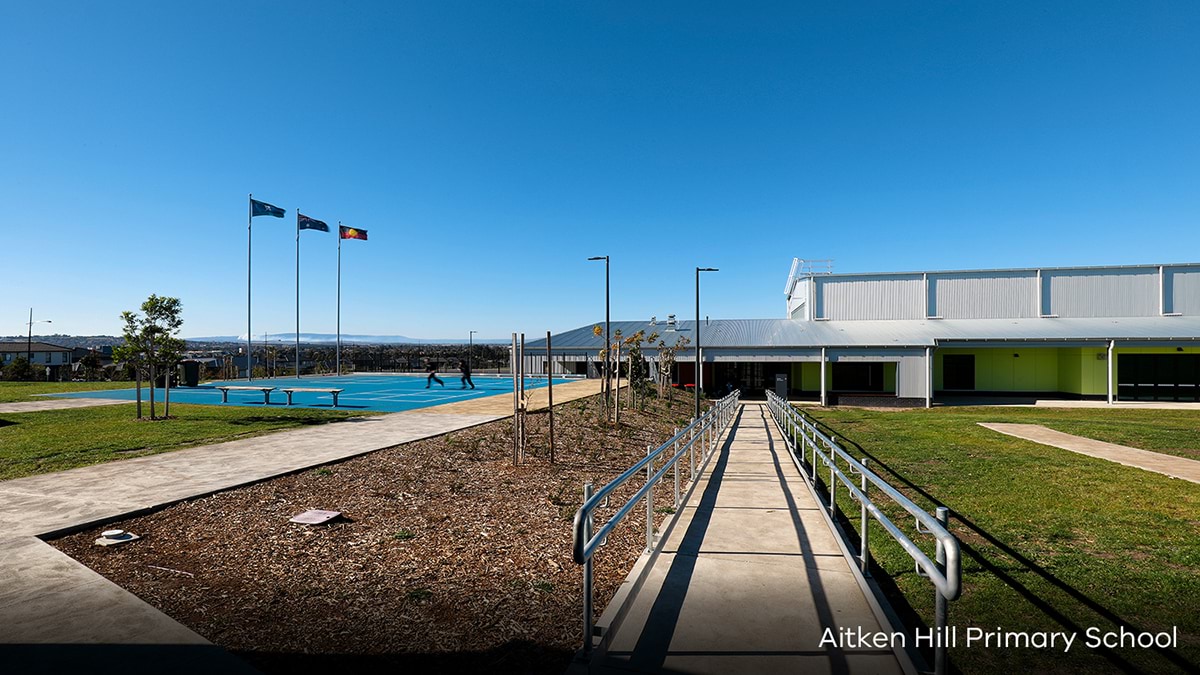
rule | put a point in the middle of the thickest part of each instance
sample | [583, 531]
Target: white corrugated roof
[919, 333]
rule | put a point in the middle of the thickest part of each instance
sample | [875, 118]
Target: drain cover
[316, 517]
[114, 537]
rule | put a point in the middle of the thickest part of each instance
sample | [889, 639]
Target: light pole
[470, 347]
[698, 271]
[607, 337]
[29, 337]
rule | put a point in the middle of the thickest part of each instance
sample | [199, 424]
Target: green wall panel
[1070, 370]
[1008, 368]
[1093, 371]
[810, 375]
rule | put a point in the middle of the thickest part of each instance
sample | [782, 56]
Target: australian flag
[258, 208]
[303, 222]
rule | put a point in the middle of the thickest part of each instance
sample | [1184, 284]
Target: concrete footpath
[57, 614]
[58, 404]
[749, 578]
[1168, 465]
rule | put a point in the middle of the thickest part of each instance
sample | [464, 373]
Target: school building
[1122, 333]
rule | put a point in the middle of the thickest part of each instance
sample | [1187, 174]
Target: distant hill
[89, 341]
[70, 341]
[319, 338]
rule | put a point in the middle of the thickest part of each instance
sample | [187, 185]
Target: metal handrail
[702, 432]
[945, 572]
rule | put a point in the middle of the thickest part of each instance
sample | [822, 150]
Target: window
[958, 372]
[855, 376]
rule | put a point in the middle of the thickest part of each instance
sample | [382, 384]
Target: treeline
[280, 360]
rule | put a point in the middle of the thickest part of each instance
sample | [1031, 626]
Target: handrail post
[939, 608]
[812, 443]
[692, 444]
[946, 586]
[832, 485]
[587, 577]
[864, 552]
[675, 461]
[649, 502]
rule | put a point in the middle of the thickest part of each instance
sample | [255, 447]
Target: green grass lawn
[12, 392]
[1174, 432]
[54, 440]
[1052, 540]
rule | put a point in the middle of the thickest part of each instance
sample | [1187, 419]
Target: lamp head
[598, 257]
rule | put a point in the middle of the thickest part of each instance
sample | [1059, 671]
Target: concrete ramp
[749, 578]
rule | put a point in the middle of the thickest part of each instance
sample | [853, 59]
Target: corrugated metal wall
[1088, 293]
[1181, 290]
[910, 377]
[910, 366]
[993, 295]
[870, 297]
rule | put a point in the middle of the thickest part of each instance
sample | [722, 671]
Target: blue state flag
[258, 208]
[303, 222]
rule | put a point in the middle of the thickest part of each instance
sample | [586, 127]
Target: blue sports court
[383, 393]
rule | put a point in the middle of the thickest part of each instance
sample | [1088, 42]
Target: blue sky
[489, 148]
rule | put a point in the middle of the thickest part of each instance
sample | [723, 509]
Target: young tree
[666, 364]
[616, 346]
[639, 385]
[151, 341]
[603, 359]
[131, 353]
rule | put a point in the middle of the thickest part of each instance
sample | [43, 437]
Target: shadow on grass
[1001, 570]
[518, 656]
[6, 423]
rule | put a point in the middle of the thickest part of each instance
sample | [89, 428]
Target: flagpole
[339, 301]
[249, 221]
[297, 292]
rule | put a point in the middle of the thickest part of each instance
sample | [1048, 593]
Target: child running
[465, 369]
[432, 370]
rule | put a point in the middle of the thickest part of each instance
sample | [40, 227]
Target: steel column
[1112, 348]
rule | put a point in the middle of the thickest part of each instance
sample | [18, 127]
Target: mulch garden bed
[448, 557]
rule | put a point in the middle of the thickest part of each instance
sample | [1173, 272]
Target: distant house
[56, 360]
[104, 352]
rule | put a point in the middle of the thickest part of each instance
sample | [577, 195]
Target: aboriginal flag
[352, 233]
[303, 222]
[258, 208]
